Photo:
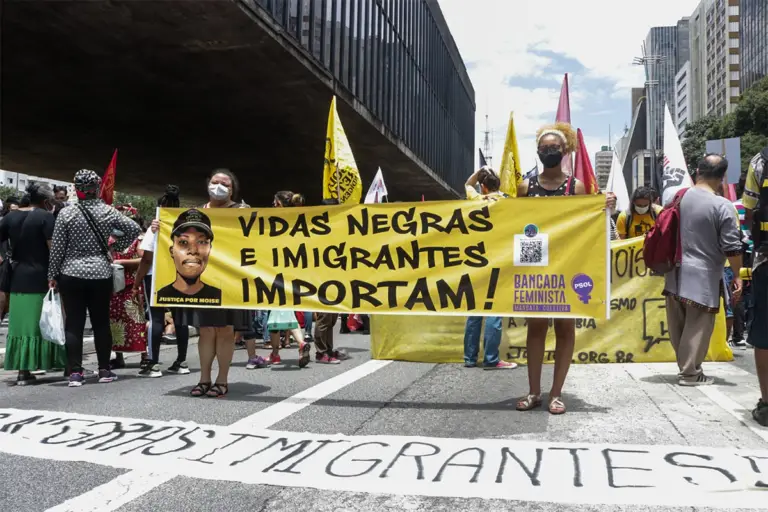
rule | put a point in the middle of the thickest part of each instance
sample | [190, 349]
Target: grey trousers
[690, 329]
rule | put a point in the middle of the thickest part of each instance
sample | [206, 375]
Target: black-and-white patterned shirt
[76, 251]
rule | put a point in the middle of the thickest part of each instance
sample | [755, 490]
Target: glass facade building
[754, 42]
[672, 44]
[397, 58]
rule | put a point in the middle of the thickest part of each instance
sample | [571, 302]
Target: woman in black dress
[217, 326]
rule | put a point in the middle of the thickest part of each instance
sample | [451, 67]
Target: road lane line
[129, 486]
[281, 410]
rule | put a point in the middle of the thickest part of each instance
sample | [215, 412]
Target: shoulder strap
[92, 224]
[628, 223]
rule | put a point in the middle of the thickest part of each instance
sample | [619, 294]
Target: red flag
[564, 107]
[108, 181]
[584, 171]
[564, 116]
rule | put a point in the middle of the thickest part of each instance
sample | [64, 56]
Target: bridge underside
[179, 88]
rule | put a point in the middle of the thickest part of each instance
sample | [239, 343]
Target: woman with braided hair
[554, 142]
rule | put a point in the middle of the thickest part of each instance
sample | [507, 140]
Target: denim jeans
[491, 340]
[308, 323]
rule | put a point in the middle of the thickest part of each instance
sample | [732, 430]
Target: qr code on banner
[532, 251]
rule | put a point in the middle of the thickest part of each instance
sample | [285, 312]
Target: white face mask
[642, 210]
[218, 191]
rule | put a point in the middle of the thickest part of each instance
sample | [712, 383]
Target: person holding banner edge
[489, 191]
[553, 143]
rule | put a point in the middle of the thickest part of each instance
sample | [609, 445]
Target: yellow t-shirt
[641, 224]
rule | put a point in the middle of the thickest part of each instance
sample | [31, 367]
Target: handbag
[118, 271]
[6, 271]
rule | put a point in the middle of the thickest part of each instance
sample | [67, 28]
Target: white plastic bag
[52, 319]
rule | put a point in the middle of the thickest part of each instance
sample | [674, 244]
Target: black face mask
[550, 157]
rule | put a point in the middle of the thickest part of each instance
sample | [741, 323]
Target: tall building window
[733, 10]
[734, 91]
[733, 43]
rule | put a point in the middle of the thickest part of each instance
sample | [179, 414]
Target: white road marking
[281, 410]
[571, 473]
[713, 392]
[735, 409]
[114, 494]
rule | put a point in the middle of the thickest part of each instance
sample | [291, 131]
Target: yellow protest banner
[541, 257]
[636, 332]
[341, 179]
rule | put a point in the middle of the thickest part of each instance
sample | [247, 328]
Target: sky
[517, 51]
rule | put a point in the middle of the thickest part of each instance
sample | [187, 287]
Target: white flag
[675, 174]
[378, 189]
[618, 185]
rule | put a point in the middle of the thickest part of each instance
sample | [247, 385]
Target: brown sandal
[556, 405]
[201, 389]
[218, 390]
[529, 403]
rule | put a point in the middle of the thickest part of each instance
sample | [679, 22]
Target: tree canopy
[749, 120]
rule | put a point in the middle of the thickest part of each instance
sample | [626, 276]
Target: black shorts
[758, 333]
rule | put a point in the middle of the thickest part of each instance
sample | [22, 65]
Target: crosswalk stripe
[129, 486]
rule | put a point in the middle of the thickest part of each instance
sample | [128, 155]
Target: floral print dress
[126, 315]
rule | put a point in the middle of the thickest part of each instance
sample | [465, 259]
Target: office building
[715, 58]
[671, 44]
[683, 107]
[20, 182]
[753, 41]
[603, 161]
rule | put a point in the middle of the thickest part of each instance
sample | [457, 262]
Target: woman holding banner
[217, 326]
[554, 143]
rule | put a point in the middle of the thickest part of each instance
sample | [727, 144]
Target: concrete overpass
[184, 87]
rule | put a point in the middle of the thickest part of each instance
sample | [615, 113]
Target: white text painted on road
[506, 469]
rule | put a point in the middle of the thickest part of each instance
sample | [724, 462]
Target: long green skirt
[25, 347]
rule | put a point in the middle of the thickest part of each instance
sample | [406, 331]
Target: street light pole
[649, 63]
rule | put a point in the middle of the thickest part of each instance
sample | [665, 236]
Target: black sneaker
[151, 370]
[760, 413]
[740, 344]
[25, 378]
[179, 368]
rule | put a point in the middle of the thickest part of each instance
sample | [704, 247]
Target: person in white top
[157, 315]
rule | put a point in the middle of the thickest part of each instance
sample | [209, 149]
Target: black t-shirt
[207, 296]
[28, 232]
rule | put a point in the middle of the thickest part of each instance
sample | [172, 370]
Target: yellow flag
[510, 173]
[341, 179]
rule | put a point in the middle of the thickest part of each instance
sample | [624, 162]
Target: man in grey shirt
[709, 234]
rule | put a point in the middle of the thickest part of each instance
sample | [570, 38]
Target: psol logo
[583, 285]
[531, 231]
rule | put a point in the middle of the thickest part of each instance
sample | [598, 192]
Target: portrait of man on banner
[191, 243]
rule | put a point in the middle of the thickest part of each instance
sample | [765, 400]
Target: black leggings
[157, 326]
[78, 296]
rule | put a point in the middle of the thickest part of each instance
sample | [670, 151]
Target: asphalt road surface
[384, 436]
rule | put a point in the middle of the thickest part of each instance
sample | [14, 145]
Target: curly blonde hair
[563, 130]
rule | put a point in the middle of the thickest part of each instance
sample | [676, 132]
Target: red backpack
[662, 249]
